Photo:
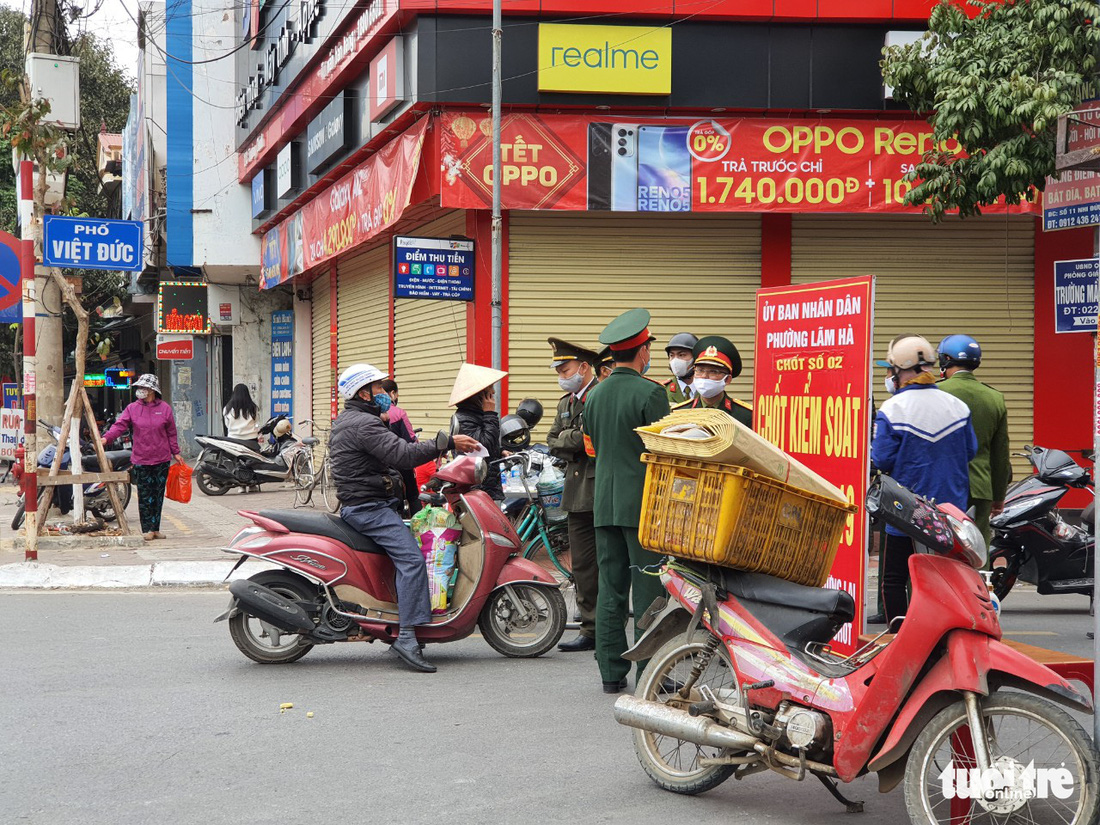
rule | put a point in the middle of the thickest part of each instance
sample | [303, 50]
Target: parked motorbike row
[227, 463]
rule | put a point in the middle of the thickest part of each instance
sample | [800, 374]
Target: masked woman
[476, 416]
[153, 431]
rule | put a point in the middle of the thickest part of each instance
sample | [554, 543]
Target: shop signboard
[10, 396]
[11, 432]
[812, 399]
[685, 165]
[182, 308]
[631, 60]
[92, 243]
[387, 80]
[328, 135]
[357, 207]
[175, 347]
[282, 362]
[259, 205]
[286, 170]
[119, 378]
[1075, 295]
[437, 268]
[1071, 198]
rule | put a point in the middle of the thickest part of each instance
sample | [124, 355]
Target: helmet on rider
[959, 351]
[514, 433]
[357, 376]
[908, 352]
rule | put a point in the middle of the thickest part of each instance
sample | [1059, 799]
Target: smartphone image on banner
[624, 167]
[599, 166]
[664, 169]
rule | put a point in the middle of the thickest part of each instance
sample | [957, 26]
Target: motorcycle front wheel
[262, 642]
[672, 763]
[1043, 770]
[522, 620]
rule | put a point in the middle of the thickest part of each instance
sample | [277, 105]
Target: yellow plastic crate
[727, 515]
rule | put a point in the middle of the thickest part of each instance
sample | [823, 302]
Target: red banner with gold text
[812, 399]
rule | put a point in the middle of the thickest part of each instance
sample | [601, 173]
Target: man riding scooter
[366, 457]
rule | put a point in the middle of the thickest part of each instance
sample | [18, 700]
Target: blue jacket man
[924, 440]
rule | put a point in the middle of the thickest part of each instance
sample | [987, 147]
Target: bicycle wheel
[550, 550]
[301, 471]
[327, 487]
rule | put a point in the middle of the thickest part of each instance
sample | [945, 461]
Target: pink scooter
[336, 585]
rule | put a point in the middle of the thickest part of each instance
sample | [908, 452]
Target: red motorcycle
[741, 679]
[336, 585]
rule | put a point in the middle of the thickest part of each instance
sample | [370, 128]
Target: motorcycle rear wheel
[526, 630]
[1003, 579]
[259, 641]
[211, 485]
[1022, 729]
[107, 510]
[672, 763]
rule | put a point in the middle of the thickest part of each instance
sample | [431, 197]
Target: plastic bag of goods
[437, 533]
[551, 486]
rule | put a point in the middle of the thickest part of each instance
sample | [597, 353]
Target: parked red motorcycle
[337, 585]
[741, 679]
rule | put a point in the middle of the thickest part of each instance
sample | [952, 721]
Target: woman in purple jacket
[155, 446]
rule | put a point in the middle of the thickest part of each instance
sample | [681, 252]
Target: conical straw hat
[471, 380]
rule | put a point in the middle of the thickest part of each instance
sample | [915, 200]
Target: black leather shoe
[615, 687]
[878, 618]
[409, 651]
[579, 643]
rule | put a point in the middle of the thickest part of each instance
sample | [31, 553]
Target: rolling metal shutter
[322, 368]
[430, 344]
[569, 274]
[974, 276]
[363, 308]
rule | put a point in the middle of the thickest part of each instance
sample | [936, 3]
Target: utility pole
[41, 37]
[498, 221]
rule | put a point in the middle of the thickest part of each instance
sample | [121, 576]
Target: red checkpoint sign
[176, 350]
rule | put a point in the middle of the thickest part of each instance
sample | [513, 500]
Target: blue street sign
[93, 243]
[11, 307]
[282, 362]
[1075, 291]
[439, 268]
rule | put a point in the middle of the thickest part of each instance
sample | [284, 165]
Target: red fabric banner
[359, 206]
[683, 165]
[812, 399]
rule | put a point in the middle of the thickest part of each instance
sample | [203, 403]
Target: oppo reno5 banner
[684, 165]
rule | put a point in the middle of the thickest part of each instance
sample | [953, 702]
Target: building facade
[677, 159]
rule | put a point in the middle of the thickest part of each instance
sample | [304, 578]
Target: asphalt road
[133, 707]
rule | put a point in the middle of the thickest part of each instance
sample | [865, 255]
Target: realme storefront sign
[628, 60]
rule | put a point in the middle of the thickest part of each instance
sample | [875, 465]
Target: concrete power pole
[41, 36]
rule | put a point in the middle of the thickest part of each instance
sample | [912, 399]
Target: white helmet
[357, 376]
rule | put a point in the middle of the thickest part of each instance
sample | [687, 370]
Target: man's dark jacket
[366, 455]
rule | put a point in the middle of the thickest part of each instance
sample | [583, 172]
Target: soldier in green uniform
[990, 470]
[621, 402]
[576, 368]
[681, 361]
[606, 364]
[717, 363]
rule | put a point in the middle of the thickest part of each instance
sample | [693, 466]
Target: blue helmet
[959, 351]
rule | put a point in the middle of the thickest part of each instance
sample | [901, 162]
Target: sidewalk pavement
[188, 556]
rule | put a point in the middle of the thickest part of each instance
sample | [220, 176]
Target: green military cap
[605, 358]
[564, 351]
[714, 349]
[629, 330]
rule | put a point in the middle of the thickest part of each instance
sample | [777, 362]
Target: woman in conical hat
[476, 415]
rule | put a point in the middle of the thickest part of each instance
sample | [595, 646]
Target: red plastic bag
[179, 483]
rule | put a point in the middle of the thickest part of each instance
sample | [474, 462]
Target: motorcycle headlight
[972, 541]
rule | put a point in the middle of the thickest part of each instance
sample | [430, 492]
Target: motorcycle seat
[324, 524]
[311, 441]
[250, 443]
[116, 458]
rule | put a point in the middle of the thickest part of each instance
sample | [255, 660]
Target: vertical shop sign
[812, 394]
[282, 362]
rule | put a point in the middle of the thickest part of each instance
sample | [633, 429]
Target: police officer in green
[681, 360]
[717, 363]
[606, 365]
[618, 404]
[576, 369]
[990, 470]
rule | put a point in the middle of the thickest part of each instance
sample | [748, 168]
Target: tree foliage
[998, 82]
[105, 91]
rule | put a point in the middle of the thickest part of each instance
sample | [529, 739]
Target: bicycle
[539, 535]
[309, 477]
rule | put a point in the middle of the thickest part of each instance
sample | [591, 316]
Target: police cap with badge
[564, 351]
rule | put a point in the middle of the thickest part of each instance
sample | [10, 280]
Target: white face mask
[141, 394]
[573, 383]
[679, 366]
[708, 387]
[890, 384]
